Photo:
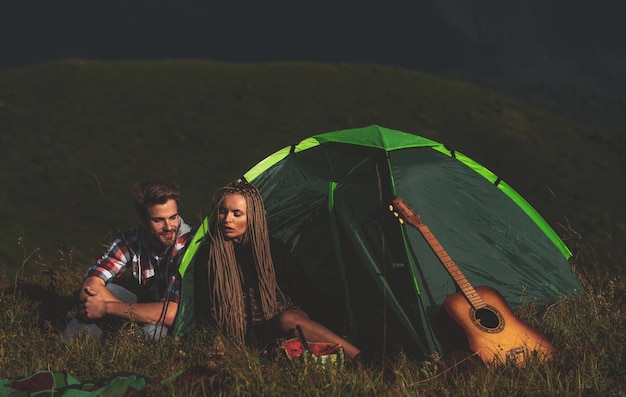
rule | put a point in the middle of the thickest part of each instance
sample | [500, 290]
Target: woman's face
[232, 217]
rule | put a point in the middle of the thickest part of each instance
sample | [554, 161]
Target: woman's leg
[313, 331]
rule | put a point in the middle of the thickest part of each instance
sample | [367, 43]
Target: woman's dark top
[250, 286]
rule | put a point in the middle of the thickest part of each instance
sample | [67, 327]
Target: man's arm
[97, 285]
[98, 303]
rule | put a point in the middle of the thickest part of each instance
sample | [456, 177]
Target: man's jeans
[93, 327]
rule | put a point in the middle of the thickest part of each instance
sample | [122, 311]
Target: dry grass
[588, 332]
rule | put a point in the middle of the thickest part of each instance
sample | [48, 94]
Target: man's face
[232, 216]
[162, 224]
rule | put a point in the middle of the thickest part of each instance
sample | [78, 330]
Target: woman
[247, 274]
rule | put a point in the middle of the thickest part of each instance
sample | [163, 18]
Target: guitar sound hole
[488, 319]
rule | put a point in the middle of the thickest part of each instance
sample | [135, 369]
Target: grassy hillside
[75, 134]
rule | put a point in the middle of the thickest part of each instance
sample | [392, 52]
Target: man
[151, 251]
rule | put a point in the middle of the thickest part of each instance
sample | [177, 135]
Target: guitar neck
[466, 288]
[414, 220]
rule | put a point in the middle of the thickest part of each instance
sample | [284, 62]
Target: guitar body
[494, 332]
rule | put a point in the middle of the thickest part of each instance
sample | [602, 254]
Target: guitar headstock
[404, 212]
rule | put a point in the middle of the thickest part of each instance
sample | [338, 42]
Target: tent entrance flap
[339, 257]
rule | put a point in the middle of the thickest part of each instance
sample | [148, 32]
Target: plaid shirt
[157, 271]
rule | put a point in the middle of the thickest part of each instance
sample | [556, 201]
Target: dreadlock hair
[227, 294]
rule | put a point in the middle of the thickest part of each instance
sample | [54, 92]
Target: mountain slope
[75, 134]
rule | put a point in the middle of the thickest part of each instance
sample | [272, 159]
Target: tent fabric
[376, 281]
[185, 322]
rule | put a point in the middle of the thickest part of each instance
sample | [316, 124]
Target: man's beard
[160, 241]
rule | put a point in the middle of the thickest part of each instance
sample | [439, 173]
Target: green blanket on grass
[61, 383]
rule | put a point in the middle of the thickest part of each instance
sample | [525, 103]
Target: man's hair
[148, 194]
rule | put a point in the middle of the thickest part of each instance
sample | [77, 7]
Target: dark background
[531, 41]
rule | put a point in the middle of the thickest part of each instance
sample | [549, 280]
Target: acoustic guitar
[493, 331]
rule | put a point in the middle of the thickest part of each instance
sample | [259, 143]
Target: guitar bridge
[516, 353]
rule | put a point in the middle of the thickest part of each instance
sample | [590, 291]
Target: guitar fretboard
[466, 288]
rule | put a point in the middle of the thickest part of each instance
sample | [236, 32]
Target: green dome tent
[377, 281]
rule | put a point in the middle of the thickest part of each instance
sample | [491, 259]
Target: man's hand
[94, 297]
[94, 305]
